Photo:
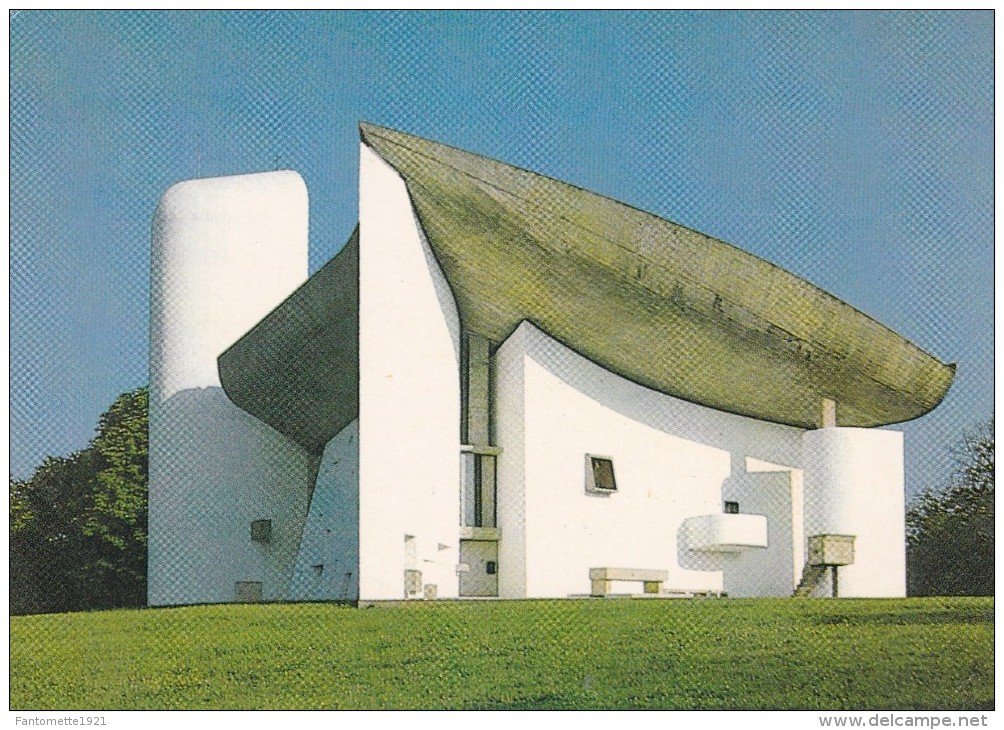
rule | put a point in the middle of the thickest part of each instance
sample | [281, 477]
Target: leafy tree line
[78, 525]
[950, 530]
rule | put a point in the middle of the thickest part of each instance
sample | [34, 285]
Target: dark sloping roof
[298, 369]
[658, 303]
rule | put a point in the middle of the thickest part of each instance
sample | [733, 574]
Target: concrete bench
[601, 578]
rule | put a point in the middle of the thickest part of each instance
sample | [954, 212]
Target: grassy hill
[720, 653]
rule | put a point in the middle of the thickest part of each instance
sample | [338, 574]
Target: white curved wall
[671, 458]
[327, 564]
[213, 470]
[854, 486]
[225, 252]
[409, 396]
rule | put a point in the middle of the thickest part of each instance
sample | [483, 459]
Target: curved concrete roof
[298, 368]
[656, 302]
[653, 301]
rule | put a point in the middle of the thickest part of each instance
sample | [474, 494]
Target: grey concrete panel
[477, 390]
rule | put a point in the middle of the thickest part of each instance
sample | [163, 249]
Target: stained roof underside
[298, 369]
[655, 302]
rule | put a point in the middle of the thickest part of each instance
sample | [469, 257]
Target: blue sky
[853, 148]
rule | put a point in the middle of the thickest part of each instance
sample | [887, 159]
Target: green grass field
[713, 653]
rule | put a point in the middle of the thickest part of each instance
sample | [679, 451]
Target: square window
[261, 531]
[731, 508]
[600, 475]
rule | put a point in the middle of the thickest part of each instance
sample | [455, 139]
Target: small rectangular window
[477, 495]
[731, 508]
[600, 475]
[248, 591]
[261, 531]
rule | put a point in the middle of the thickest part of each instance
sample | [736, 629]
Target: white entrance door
[481, 578]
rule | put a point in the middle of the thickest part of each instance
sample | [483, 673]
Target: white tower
[854, 486]
[225, 252]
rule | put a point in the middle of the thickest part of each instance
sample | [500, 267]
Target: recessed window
[600, 475]
[248, 591]
[477, 495]
[412, 582]
[731, 508]
[261, 531]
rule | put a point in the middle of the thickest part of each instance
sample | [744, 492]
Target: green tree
[950, 531]
[78, 525]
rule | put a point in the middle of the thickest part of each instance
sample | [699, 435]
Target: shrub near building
[950, 531]
[78, 525]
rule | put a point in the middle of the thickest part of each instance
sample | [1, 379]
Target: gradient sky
[854, 149]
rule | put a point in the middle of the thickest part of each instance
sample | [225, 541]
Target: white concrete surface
[670, 457]
[724, 533]
[327, 563]
[213, 470]
[767, 571]
[409, 396]
[225, 251]
[795, 481]
[854, 486]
